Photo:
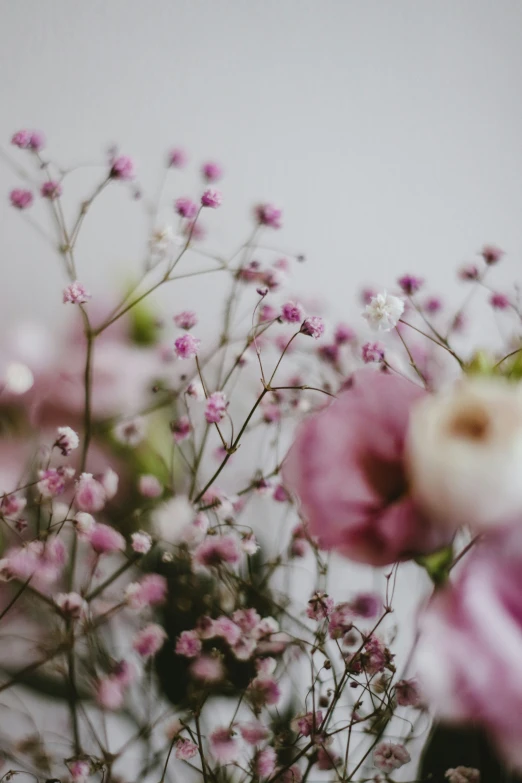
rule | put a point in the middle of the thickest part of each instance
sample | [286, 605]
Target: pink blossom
[329, 353]
[51, 190]
[499, 301]
[280, 494]
[186, 319]
[366, 605]
[188, 644]
[152, 590]
[193, 230]
[195, 390]
[185, 749]
[227, 628]
[21, 198]
[375, 656]
[149, 486]
[463, 775]
[21, 139]
[410, 284]
[309, 723]
[271, 412]
[80, 770]
[407, 693]
[264, 691]
[244, 648]
[105, 539]
[211, 171]
[67, 440]
[187, 346]
[250, 273]
[266, 762]
[432, 305]
[344, 334]
[470, 643]
[90, 495]
[268, 215]
[71, 604]
[130, 432]
[224, 746]
[216, 551]
[52, 481]
[177, 158]
[216, 407]
[389, 756]
[149, 640]
[186, 208]
[469, 272]
[347, 469]
[247, 619]
[36, 141]
[211, 198]
[12, 505]
[267, 313]
[75, 293]
[372, 352]
[110, 693]
[122, 168]
[181, 428]
[320, 606]
[207, 668]
[326, 759]
[313, 326]
[141, 542]
[367, 294]
[292, 312]
[272, 279]
[254, 732]
[291, 775]
[492, 254]
[249, 544]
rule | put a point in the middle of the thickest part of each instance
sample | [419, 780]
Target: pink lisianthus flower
[470, 645]
[347, 469]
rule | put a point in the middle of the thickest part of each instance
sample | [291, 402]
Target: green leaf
[437, 564]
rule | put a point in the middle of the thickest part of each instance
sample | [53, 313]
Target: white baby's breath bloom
[141, 542]
[464, 451]
[384, 311]
[18, 378]
[171, 519]
[161, 239]
[84, 522]
[130, 431]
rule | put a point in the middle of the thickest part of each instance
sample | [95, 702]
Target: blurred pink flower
[346, 467]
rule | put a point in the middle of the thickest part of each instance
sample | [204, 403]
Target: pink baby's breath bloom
[122, 168]
[193, 230]
[492, 254]
[211, 171]
[149, 486]
[21, 198]
[462, 775]
[329, 353]
[250, 273]
[177, 158]
[308, 724]
[36, 141]
[211, 198]
[433, 305]
[141, 542]
[130, 432]
[268, 215]
[469, 272]
[264, 691]
[80, 770]
[216, 407]
[76, 293]
[249, 544]
[105, 539]
[196, 391]
[389, 756]
[320, 606]
[215, 551]
[188, 644]
[207, 668]
[224, 746]
[313, 326]
[372, 352]
[272, 278]
[12, 505]
[499, 301]
[21, 139]
[71, 604]
[149, 640]
[407, 693]
[181, 428]
[51, 190]
[366, 605]
[228, 629]
[267, 313]
[410, 284]
[247, 619]
[52, 481]
[185, 320]
[185, 749]
[67, 440]
[271, 412]
[280, 494]
[186, 208]
[254, 732]
[344, 334]
[110, 693]
[90, 495]
[350, 477]
[151, 591]
[292, 312]
[266, 762]
[187, 346]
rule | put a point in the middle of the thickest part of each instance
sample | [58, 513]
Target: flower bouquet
[203, 530]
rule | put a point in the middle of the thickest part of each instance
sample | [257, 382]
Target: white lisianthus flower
[464, 453]
[384, 311]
